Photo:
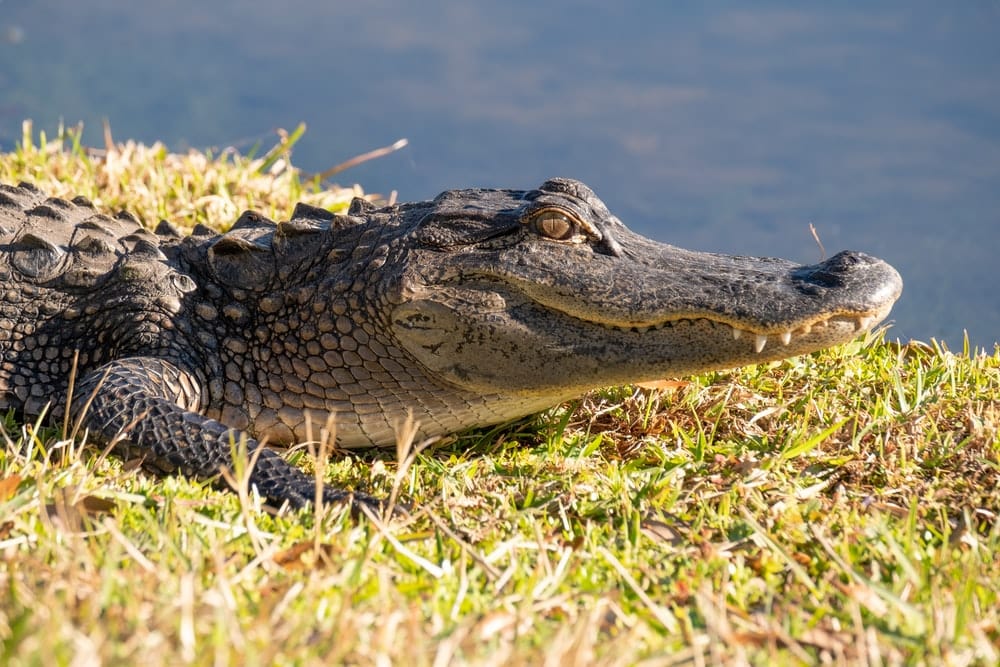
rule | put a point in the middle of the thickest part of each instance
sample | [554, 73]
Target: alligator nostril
[821, 276]
[835, 271]
[846, 259]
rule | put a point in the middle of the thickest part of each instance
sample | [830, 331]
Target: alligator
[472, 309]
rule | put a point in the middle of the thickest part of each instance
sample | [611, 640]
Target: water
[718, 127]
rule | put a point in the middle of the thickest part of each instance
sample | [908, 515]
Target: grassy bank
[839, 507]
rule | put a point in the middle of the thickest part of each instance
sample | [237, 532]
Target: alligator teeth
[785, 337]
[737, 333]
[806, 329]
[759, 341]
[864, 322]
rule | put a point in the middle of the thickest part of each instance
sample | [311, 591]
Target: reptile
[472, 309]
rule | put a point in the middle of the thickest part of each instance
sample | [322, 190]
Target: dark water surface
[719, 127]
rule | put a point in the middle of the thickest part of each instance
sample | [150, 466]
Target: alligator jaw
[539, 352]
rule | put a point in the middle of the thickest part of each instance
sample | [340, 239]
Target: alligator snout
[862, 278]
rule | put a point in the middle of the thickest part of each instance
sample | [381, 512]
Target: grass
[836, 508]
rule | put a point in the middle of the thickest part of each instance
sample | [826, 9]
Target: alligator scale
[472, 309]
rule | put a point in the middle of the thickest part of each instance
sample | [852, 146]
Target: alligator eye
[555, 225]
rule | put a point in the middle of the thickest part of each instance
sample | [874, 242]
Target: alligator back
[61, 265]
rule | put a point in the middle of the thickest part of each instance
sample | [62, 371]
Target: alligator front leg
[137, 403]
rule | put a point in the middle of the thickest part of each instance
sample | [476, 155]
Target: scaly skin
[472, 309]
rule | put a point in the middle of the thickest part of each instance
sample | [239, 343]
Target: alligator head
[545, 293]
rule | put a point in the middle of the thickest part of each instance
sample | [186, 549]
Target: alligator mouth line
[860, 321]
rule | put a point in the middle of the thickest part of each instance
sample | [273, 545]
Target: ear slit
[452, 229]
